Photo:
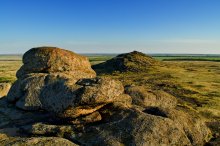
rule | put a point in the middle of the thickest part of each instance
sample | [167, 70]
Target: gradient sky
[111, 26]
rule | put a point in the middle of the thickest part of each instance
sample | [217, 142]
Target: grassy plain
[9, 64]
[195, 83]
[188, 58]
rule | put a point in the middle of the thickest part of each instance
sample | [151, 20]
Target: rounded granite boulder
[54, 60]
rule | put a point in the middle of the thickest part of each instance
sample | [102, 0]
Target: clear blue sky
[111, 26]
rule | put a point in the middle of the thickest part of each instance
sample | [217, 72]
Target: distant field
[188, 58]
[98, 58]
[10, 57]
[8, 70]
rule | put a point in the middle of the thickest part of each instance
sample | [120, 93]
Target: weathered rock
[54, 60]
[100, 90]
[194, 127]
[118, 124]
[144, 97]
[13, 121]
[10, 116]
[84, 98]
[31, 88]
[58, 96]
[45, 68]
[37, 141]
[124, 99]
[15, 91]
[60, 99]
[28, 92]
[47, 129]
[131, 127]
[74, 112]
[4, 88]
[91, 118]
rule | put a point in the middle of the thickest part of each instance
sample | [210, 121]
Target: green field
[188, 58]
[97, 58]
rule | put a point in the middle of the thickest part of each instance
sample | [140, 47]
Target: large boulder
[4, 88]
[86, 97]
[54, 60]
[193, 125]
[144, 97]
[124, 126]
[46, 66]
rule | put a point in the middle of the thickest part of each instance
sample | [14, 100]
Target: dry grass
[8, 70]
[196, 84]
[203, 80]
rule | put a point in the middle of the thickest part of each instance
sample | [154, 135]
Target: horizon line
[20, 54]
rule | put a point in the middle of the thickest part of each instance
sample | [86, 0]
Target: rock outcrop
[44, 66]
[46, 85]
[133, 127]
[86, 97]
[134, 61]
[57, 95]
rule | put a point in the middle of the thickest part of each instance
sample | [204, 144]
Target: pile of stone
[60, 85]
[63, 83]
